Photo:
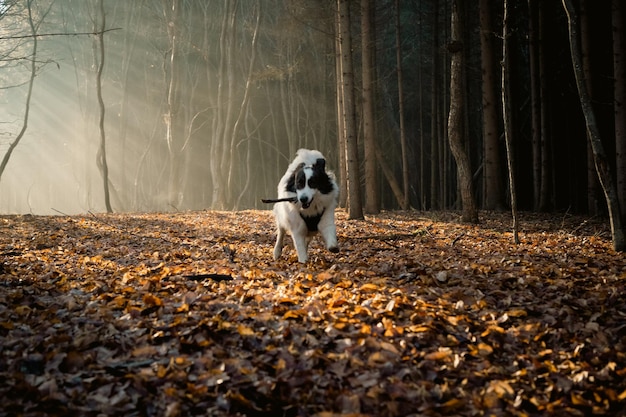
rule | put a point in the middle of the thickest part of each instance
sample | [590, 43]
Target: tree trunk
[544, 144]
[369, 129]
[341, 129]
[493, 190]
[435, 195]
[593, 188]
[29, 93]
[455, 117]
[102, 155]
[619, 101]
[355, 209]
[602, 166]
[403, 141]
[506, 117]
[389, 176]
[535, 96]
[243, 108]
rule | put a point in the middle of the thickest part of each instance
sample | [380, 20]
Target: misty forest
[182, 105]
[480, 152]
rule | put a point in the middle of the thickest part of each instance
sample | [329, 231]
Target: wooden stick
[279, 200]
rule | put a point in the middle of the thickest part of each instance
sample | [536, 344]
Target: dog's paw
[334, 249]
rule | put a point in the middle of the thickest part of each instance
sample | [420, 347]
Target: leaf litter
[418, 315]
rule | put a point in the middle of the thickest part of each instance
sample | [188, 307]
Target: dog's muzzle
[306, 203]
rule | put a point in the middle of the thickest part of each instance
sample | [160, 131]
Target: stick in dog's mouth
[279, 200]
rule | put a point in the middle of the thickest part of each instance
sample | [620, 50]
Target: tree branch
[41, 35]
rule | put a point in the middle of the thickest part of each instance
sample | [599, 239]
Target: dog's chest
[312, 221]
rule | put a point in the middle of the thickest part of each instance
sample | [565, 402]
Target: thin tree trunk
[355, 209]
[369, 130]
[506, 116]
[619, 101]
[389, 175]
[29, 93]
[602, 166]
[493, 190]
[341, 128]
[535, 96]
[435, 195]
[229, 104]
[102, 155]
[593, 188]
[544, 144]
[455, 118]
[243, 109]
[403, 141]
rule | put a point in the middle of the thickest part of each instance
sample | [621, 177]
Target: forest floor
[188, 314]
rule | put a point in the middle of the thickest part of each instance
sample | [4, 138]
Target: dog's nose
[305, 202]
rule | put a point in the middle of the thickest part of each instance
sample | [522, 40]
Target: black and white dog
[314, 194]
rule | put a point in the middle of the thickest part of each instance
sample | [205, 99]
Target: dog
[314, 195]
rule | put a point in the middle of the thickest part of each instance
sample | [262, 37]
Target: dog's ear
[319, 165]
[291, 183]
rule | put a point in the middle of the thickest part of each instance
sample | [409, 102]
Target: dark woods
[203, 104]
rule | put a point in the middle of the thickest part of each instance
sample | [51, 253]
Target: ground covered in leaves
[188, 314]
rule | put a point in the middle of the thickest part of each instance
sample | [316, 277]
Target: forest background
[185, 105]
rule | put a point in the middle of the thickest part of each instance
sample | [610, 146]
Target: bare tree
[98, 50]
[506, 117]
[403, 141]
[31, 82]
[456, 117]
[355, 209]
[369, 129]
[593, 188]
[493, 186]
[435, 192]
[244, 115]
[619, 101]
[600, 159]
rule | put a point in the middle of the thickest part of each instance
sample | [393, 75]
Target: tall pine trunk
[355, 208]
[493, 186]
[619, 101]
[456, 117]
[369, 129]
[99, 58]
[600, 159]
[435, 195]
[506, 117]
[403, 141]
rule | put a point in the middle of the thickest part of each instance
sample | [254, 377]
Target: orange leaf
[152, 300]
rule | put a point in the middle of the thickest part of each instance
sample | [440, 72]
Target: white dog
[315, 193]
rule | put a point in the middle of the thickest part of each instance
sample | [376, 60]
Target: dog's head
[307, 180]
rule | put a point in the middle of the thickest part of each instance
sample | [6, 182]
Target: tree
[538, 106]
[29, 93]
[506, 117]
[456, 116]
[493, 186]
[435, 194]
[403, 140]
[619, 101]
[600, 159]
[98, 49]
[369, 127]
[593, 188]
[355, 209]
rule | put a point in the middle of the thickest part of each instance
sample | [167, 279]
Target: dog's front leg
[301, 243]
[328, 230]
